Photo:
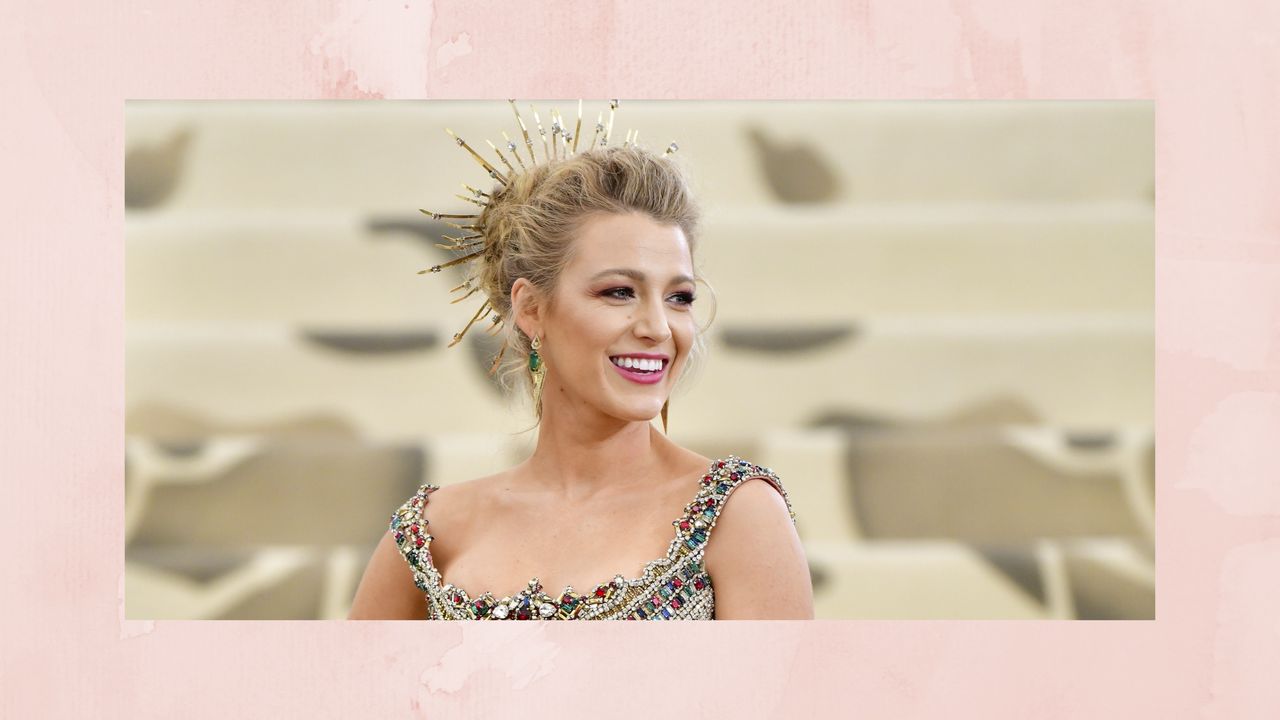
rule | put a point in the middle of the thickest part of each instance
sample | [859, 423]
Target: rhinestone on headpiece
[561, 145]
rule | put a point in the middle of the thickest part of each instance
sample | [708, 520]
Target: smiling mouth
[640, 366]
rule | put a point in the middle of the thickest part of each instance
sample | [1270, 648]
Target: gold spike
[462, 227]
[562, 147]
[599, 127]
[528, 144]
[494, 367]
[475, 191]
[465, 284]
[555, 135]
[473, 291]
[541, 132]
[608, 131]
[497, 323]
[484, 308]
[577, 129]
[451, 263]
[488, 168]
[437, 216]
[459, 243]
[635, 138]
[501, 157]
[471, 200]
[511, 145]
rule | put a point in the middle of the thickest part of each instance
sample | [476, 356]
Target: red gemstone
[600, 591]
[720, 464]
[684, 525]
[657, 601]
[457, 598]
[711, 502]
[697, 583]
[675, 582]
[522, 615]
[421, 542]
[413, 528]
[675, 602]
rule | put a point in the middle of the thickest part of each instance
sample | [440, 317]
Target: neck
[579, 459]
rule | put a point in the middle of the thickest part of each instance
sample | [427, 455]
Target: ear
[526, 307]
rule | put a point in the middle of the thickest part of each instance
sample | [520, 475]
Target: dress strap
[721, 479]
[409, 523]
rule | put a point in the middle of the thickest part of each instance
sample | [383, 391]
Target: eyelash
[686, 298]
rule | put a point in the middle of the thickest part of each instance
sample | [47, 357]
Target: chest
[502, 551]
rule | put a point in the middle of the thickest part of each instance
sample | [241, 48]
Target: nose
[651, 321]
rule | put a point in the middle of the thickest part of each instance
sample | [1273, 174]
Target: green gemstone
[535, 361]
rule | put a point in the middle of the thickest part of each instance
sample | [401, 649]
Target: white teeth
[642, 364]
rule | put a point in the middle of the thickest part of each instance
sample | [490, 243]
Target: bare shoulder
[387, 589]
[755, 558]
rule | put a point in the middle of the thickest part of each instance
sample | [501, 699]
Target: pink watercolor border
[1213, 70]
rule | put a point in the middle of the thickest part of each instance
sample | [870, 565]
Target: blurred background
[935, 323]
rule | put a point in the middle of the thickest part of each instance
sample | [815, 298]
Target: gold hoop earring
[664, 416]
[537, 371]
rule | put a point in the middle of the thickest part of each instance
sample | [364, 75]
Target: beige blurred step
[998, 485]
[939, 580]
[278, 583]
[1062, 371]
[764, 263]
[914, 581]
[397, 156]
[383, 386]
[1089, 371]
[1004, 486]
[244, 492]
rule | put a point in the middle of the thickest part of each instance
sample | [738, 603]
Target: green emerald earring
[537, 371]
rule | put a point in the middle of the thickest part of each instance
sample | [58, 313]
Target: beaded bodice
[673, 587]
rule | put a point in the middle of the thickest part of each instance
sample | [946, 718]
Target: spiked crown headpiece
[473, 246]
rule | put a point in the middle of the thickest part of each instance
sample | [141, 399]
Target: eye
[620, 293]
[684, 298]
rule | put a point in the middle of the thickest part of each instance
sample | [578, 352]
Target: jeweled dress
[674, 587]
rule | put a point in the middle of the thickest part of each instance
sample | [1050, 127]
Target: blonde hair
[531, 223]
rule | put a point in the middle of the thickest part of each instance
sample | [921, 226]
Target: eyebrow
[637, 275]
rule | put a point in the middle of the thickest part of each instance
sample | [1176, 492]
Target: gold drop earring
[664, 416]
[537, 371]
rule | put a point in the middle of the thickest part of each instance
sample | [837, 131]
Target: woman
[587, 260]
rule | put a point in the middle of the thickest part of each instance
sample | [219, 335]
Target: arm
[387, 590]
[756, 562]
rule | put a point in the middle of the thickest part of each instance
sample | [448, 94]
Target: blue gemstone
[691, 544]
[722, 487]
[395, 521]
[640, 612]
[666, 614]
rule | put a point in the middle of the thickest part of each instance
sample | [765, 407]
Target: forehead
[632, 240]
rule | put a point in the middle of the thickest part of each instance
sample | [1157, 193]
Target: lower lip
[642, 378]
